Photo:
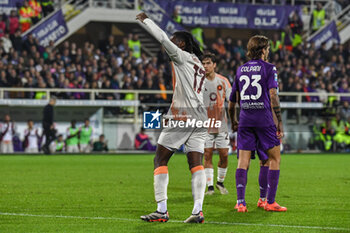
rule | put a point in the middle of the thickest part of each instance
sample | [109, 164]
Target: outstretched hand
[142, 16]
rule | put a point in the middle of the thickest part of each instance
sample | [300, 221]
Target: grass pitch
[109, 193]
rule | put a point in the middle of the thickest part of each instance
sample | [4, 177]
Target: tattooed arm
[275, 104]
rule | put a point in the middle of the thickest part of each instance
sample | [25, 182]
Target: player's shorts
[261, 154]
[193, 139]
[217, 140]
[253, 138]
[85, 148]
[31, 150]
[73, 149]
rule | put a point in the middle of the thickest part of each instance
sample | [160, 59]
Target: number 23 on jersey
[248, 84]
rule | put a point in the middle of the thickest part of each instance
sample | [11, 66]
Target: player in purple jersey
[256, 85]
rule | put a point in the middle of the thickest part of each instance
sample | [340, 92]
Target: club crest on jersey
[219, 87]
[213, 96]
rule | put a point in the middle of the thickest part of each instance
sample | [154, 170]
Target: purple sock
[263, 181]
[241, 181]
[272, 180]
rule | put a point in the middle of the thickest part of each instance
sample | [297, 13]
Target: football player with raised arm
[187, 102]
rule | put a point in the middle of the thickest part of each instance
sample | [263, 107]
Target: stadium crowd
[301, 68]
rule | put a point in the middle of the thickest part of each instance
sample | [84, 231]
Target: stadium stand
[116, 64]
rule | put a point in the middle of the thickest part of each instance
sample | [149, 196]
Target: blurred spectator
[135, 45]
[219, 46]
[6, 43]
[2, 25]
[7, 131]
[17, 41]
[345, 111]
[36, 7]
[48, 125]
[176, 17]
[318, 17]
[13, 23]
[31, 138]
[25, 16]
[101, 144]
[47, 6]
[340, 137]
[72, 140]
[142, 141]
[59, 143]
[295, 23]
[326, 135]
[239, 49]
[197, 33]
[85, 137]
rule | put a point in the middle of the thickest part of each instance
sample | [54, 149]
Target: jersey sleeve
[234, 89]
[228, 90]
[272, 78]
[174, 52]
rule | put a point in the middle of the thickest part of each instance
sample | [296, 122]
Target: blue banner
[7, 5]
[160, 17]
[229, 15]
[52, 29]
[327, 35]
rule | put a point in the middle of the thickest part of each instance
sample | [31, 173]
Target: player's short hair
[210, 56]
[191, 45]
[255, 46]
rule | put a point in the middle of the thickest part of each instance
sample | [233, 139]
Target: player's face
[209, 66]
[179, 43]
[30, 124]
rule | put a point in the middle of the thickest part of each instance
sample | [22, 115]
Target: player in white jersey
[187, 103]
[7, 132]
[31, 138]
[217, 89]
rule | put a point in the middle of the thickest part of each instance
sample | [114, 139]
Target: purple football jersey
[253, 81]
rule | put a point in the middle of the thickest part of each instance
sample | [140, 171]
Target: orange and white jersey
[188, 79]
[215, 93]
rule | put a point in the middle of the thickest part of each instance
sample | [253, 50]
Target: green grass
[315, 188]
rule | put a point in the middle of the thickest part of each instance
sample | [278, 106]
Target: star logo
[151, 120]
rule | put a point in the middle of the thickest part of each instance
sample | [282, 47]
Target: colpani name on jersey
[192, 123]
[250, 68]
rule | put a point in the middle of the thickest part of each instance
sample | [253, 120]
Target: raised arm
[275, 104]
[172, 50]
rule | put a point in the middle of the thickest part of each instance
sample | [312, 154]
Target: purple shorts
[257, 138]
[261, 154]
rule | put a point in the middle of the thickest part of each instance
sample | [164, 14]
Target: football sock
[263, 181]
[209, 173]
[272, 180]
[161, 180]
[241, 181]
[221, 174]
[198, 188]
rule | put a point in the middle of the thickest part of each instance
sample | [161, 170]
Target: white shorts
[85, 148]
[219, 140]
[73, 149]
[31, 150]
[173, 138]
[6, 147]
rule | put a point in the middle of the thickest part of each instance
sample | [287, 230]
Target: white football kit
[215, 93]
[33, 146]
[187, 103]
